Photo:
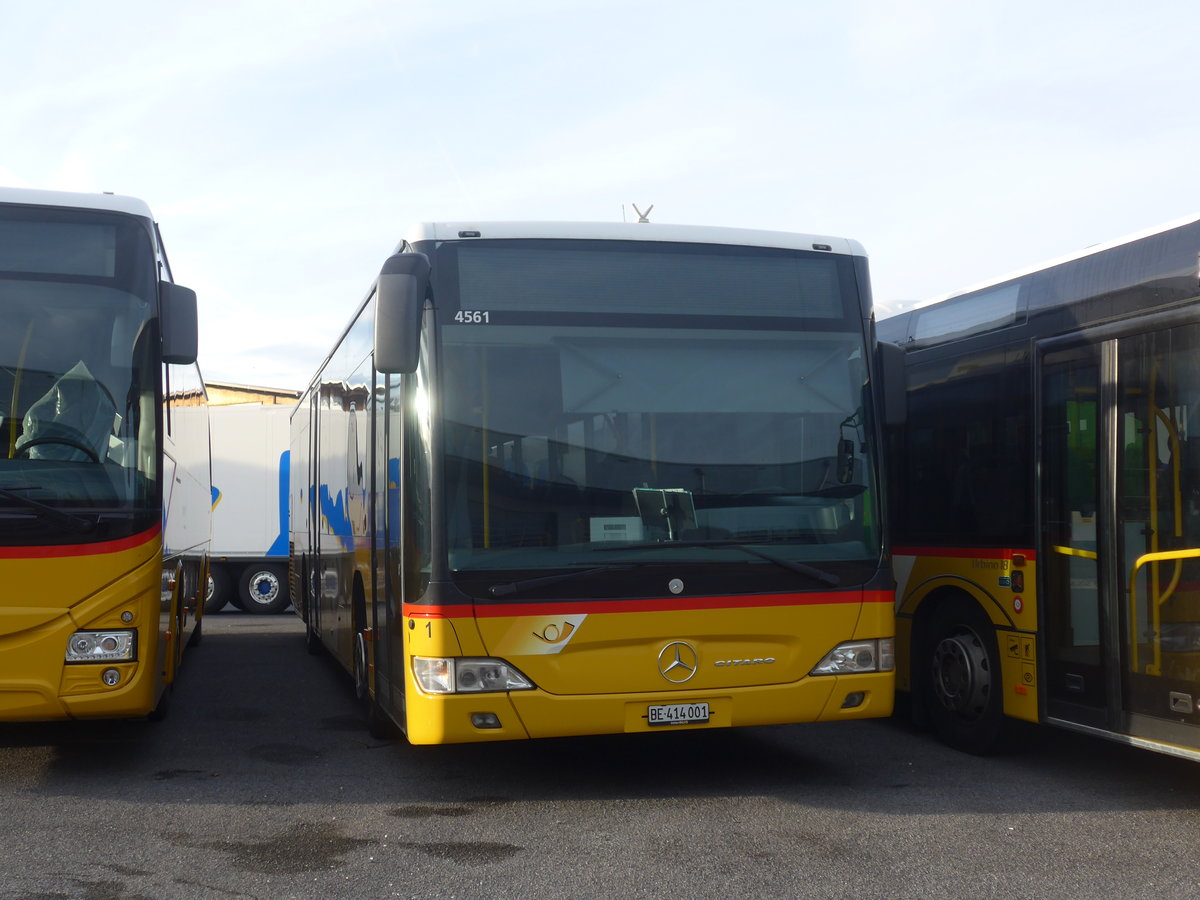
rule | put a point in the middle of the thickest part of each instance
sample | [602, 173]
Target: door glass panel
[1158, 473]
[1073, 642]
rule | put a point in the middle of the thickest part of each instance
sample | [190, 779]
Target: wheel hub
[265, 588]
[962, 678]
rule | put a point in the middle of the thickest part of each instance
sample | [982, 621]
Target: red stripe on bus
[59, 551]
[965, 552]
[656, 604]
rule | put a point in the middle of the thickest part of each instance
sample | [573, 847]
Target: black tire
[263, 589]
[163, 706]
[218, 591]
[361, 689]
[306, 608]
[959, 680]
[312, 640]
[378, 723]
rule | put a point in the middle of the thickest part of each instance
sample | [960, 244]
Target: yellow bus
[104, 478]
[562, 479]
[1046, 500]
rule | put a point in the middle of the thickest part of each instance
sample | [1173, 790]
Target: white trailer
[250, 459]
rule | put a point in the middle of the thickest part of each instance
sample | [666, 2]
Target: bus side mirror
[891, 375]
[178, 324]
[845, 461]
[399, 302]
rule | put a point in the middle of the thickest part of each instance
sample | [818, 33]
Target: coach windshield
[77, 376]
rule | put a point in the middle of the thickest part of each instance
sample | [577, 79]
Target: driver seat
[78, 409]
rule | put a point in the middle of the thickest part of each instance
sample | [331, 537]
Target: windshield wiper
[76, 523]
[837, 491]
[511, 587]
[800, 568]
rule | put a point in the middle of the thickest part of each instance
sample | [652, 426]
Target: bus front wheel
[960, 675]
[378, 723]
[216, 596]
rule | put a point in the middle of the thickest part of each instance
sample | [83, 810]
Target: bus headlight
[466, 675]
[100, 646]
[856, 657]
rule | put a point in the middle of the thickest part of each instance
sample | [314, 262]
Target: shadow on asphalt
[256, 719]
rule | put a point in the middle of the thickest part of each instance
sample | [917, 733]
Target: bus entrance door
[1158, 530]
[1120, 505]
[1074, 639]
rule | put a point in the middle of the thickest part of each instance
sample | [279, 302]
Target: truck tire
[263, 589]
[217, 593]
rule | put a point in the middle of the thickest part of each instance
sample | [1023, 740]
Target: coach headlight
[856, 657]
[101, 646]
[467, 675]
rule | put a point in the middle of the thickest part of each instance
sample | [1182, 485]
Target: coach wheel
[962, 678]
[263, 589]
[163, 706]
[216, 594]
[361, 688]
[308, 610]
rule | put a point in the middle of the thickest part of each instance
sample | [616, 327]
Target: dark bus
[1045, 500]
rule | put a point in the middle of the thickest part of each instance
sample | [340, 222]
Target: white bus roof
[108, 202]
[627, 231]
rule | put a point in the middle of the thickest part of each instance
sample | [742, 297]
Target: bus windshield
[591, 424]
[77, 376]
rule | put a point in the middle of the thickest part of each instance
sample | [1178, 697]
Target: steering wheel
[64, 441]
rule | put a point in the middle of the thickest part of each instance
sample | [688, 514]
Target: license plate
[677, 714]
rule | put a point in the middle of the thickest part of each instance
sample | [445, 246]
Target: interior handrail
[1154, 668]
[1074, 551]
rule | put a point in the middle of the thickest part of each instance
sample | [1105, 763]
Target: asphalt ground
[263, 782]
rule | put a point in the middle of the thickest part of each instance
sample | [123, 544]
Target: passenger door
[1120, 556]
[1076, 649]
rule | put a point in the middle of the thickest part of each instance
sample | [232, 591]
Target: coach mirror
[891, 374]
[178, 323]
[399, 300]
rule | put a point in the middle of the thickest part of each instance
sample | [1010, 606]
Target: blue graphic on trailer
[280, 545]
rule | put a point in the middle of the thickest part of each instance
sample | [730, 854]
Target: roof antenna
[643, 217]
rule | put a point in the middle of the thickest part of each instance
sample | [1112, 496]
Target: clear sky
[286, 146]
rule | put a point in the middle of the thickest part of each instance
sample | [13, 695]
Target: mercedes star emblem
[677, 662]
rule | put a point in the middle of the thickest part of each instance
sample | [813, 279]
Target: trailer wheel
[217, 593]
[263, 589]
